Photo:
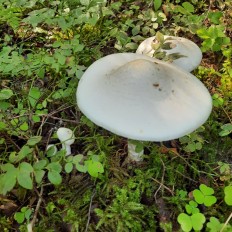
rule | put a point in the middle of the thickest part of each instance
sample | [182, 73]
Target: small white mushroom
[66, 137]
[142, 98]
[52, 148]
[191, 52]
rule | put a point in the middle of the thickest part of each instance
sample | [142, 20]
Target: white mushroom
[142, 98]
[66, 137]
[191, 52]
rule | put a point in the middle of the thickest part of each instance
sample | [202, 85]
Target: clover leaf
[228, 195]
[214, 225]
[191, 207]
[203, 195]
[194, 221]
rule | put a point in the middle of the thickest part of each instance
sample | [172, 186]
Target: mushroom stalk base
[67, 148]
[132, 154]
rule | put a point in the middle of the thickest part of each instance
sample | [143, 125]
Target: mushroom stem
[132, 154]
[67, 148]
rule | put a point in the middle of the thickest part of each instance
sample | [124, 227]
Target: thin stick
[227, 221]
[90, 205]
[31, 224]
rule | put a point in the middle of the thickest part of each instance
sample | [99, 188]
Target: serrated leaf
[34, 140]
[188, 6]
[19, 217]
[54, 177]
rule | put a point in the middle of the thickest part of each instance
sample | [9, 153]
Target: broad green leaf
[81, 168]
[34, 140]
[54, 177]
[2, 125]
[68, 167]
[24, 126]
[157, 4]
[39, 164]
[26, 167]
[54, 166]
[7, 183]
[6, 94]
[94, 168]
[77, 159]
[24, 152]
[34, 95]
[39, 174]
[188, 6]
[24, 175]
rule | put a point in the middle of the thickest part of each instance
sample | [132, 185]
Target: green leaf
[157, 4]
[94, 168]
[25, 151]
[34, 95]
[214, 225]
[206, 190]
[34, 140]
[6, 94]
[54, 166]
[199, 196]
[39, 174]
[54, 177]
[198, 219]
[39, 164]
[19, 217]
[203, 196]
[185, 222]
[7, 181]
[24, 175]
[188, 6]
[68, 167]
[24, 126]
[228, 195]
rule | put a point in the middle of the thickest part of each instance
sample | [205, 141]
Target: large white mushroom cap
[192, 53]
[141, 98]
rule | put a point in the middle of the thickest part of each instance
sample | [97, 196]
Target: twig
[31, 224]
[90, 205]
[227, 221]
[169, 190]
